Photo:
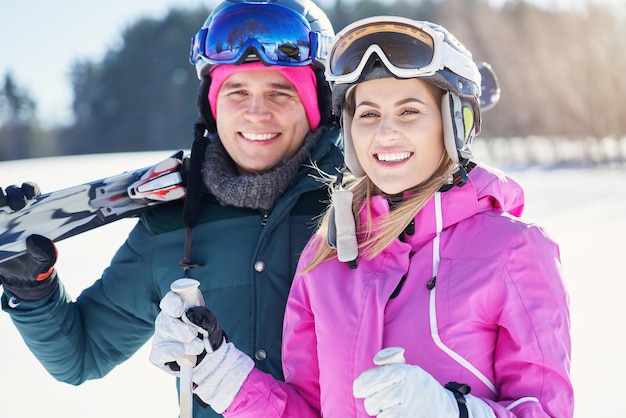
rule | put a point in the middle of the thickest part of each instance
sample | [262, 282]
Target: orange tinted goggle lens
[404, 46]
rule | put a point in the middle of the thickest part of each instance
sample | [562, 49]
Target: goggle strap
[320, 43]
[457, 62]
[197, 45]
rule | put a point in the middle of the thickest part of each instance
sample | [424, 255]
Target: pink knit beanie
[302, 78]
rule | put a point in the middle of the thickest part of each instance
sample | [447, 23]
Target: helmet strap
[204, 107]
[324, 97]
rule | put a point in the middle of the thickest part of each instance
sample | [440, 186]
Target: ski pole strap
[186, 263]
[460, 390]
[191, 209]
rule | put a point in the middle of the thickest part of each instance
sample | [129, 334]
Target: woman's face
[397, 132]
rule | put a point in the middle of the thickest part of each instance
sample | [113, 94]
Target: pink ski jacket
[474, 295]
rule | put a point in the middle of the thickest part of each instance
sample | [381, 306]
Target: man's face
[260, 119]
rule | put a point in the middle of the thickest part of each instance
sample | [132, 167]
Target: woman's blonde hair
[375, 235]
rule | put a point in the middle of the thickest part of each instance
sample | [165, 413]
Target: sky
[582, 209]
[40, 39]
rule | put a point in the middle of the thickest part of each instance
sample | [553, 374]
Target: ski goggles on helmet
[407, 48]
[276, 34]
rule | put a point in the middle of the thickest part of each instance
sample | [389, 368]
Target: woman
[436, 262]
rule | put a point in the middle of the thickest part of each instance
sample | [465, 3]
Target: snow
[583, 209]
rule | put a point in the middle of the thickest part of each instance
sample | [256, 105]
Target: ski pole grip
[188, 290]
[390, 355]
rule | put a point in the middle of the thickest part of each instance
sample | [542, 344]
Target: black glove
[31, 276]
[16, 197]
[165, 334]
[204, 318]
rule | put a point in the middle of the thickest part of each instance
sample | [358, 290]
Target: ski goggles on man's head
[274, 34]
[406, 47]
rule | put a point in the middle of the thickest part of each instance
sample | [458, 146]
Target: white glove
[175, 336]
[401, 390]
[221, 373]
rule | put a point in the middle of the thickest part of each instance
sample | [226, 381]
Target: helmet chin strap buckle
[459, 176]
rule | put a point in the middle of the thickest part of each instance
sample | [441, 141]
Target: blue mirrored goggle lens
[276, 36]
[405, 47]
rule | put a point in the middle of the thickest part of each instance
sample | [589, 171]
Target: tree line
[560, 74]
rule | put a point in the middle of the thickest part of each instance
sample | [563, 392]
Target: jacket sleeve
[85, 339]
[299, 395]
[533, 348]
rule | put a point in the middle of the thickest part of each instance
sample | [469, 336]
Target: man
[252, 202]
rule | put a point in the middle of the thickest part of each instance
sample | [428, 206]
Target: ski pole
[188, 290]
[390, 355]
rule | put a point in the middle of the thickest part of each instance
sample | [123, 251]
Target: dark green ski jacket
[248, 261]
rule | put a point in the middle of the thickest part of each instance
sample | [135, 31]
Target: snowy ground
[583, 209]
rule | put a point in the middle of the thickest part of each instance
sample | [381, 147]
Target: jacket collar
[488, 188]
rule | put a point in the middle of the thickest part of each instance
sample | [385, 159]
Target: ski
[64, 213]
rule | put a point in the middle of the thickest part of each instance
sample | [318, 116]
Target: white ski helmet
[391, 46]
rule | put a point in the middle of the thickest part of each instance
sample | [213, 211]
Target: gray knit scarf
[254, 191]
